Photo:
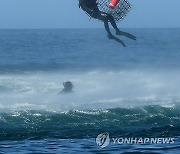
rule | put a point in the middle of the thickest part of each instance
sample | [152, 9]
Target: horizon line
[88, 28]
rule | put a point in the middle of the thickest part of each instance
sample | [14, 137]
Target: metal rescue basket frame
[120, 10]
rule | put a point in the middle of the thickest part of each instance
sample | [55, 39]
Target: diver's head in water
[68, 86]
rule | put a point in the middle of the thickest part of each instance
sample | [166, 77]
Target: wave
[147, 121]
[127, 103]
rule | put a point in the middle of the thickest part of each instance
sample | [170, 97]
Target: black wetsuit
[91, 7]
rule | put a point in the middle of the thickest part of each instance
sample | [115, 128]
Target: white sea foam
[92, 90]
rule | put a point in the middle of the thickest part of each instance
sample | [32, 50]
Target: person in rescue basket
[91, 8]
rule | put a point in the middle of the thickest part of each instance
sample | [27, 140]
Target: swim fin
[128, 35]
[116, 39]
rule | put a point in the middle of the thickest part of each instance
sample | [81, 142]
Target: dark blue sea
[131, 92]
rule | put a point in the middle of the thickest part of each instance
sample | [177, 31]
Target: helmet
[68, 85]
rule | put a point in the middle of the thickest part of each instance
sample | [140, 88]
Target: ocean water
[131, 92]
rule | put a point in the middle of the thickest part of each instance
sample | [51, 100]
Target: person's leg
[118, 32]
[107, 29]
[104, 18]
[113, 23]
[111, 20]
